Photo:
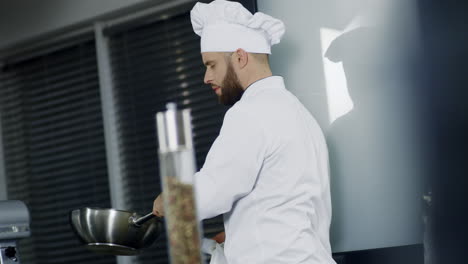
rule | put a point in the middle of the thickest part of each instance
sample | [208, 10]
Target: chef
[267, 172]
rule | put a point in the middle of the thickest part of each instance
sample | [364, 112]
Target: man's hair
[260, 57]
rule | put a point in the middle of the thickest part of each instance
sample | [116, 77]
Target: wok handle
[140, 221]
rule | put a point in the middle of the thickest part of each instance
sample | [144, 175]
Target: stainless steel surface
[114, 231]
[174, 129]
[113, 249]
[14, 224]
[176, 155]
[140, 221]
[9, 253]
[14, 220]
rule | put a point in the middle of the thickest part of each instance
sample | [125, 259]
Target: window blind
[53, 139]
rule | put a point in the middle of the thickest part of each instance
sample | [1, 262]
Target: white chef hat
[225, 26]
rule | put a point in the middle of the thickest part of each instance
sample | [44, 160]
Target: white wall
[299, 57]
[363, 104]
[23, 19]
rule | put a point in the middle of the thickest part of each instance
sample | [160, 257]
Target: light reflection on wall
[339, 101]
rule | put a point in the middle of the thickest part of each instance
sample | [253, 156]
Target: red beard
[231, 89]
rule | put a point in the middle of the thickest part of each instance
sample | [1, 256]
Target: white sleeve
[231, 166]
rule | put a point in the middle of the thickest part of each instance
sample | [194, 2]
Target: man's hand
[158, 206]
[220, 237]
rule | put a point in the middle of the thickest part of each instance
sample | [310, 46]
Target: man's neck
[255, 77]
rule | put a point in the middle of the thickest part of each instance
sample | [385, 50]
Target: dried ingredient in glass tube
[183, 235]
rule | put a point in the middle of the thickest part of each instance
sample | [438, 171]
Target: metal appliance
[14, 224]
[114, 231]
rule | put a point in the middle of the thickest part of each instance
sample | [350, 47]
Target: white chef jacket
[268, 173]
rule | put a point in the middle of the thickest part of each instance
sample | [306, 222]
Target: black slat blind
[154, 64]
[55, 158]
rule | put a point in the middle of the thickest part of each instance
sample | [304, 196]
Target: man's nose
[207, 79]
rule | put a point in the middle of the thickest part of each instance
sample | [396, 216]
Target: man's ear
[241, 58]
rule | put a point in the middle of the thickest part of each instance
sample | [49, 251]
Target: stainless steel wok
[114, 231]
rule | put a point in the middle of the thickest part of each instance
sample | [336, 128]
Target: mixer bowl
[112, 231]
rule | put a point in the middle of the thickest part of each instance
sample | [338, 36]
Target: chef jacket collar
[261, 84]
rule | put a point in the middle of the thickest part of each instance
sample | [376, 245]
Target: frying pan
[113, 231]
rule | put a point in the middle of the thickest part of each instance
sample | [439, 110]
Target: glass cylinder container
[177, 169]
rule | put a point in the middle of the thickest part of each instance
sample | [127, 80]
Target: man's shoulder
[240, 111]
[239, 118]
